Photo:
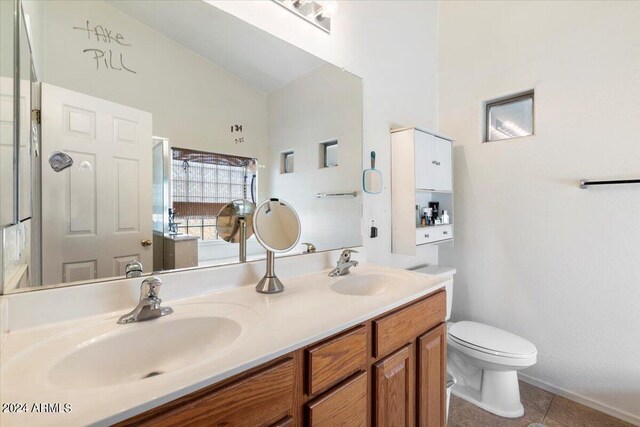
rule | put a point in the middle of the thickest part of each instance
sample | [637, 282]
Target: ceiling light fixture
[318, 13]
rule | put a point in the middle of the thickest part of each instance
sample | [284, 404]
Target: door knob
[146, 242]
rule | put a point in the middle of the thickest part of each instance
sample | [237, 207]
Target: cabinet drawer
[394, 330]
[434, 233]
[259, 400]
[336, 359]
[346, 405]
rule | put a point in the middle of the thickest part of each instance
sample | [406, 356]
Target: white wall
[392, 45]
[535, 254]
[322, 105]
[34, 18]
[186, 94]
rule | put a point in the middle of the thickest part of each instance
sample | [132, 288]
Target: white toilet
[484, 360]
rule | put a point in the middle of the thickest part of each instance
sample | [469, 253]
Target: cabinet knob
[445, 232]
[426, 235]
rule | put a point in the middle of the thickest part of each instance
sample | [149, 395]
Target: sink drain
[152, 374]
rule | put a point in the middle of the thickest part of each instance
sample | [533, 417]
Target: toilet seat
[489, 340]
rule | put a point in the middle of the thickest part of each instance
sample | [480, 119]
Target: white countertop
[180, 237]
[273, 325]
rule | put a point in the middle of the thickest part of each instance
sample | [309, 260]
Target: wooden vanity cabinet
[388, 371]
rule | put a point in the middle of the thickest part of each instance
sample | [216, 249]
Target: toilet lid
[489, 339]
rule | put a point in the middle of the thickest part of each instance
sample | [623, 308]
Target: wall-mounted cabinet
[421, 176]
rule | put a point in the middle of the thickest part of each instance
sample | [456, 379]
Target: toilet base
[499, 393]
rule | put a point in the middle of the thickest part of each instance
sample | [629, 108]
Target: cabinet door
[394, 384]
[442, 165]
[345, 405]
[423, 154]
[431, 384]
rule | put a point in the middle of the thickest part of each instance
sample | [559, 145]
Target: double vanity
[366, 348]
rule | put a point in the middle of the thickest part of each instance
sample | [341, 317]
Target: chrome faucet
[133, 269]
[311, 248]
[344, 264]
[149, 306]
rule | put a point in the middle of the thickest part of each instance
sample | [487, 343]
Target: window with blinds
[202, 183]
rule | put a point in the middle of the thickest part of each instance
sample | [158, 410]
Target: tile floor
[540, 406]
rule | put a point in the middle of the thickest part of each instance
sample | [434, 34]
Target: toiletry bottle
[445, 217]
[423, 221]
[418, 216]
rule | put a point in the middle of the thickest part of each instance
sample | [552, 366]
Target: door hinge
[35, 116]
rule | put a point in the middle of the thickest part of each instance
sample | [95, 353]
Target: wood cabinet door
[342, 406]
[394, 389]
[432, 377]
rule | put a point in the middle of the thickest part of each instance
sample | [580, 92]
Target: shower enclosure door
[97, 213]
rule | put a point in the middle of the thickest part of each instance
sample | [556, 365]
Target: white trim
[624, 416]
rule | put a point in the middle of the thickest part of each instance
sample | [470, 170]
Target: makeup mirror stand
[233, 224]
[270, 284]
[243, 239]
[276, 226]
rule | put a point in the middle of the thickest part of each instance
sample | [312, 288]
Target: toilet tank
[442, 271]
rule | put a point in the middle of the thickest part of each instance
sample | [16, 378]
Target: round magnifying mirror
[229, 220]
[276, 225]
[277, 228]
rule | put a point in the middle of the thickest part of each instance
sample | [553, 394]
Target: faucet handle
[346, 254]
[150, 287]
[310, 248]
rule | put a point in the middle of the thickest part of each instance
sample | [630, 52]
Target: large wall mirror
[157, 114]
[17, 79]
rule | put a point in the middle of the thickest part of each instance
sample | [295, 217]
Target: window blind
[203, 182]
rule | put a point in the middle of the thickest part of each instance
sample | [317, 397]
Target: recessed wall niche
[328, 154]
[287, 162]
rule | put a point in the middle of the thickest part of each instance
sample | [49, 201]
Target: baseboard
[624, 416]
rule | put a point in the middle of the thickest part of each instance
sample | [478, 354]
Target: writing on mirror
[105, 58]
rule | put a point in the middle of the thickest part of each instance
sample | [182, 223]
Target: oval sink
[365, 284]
[138, 351]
